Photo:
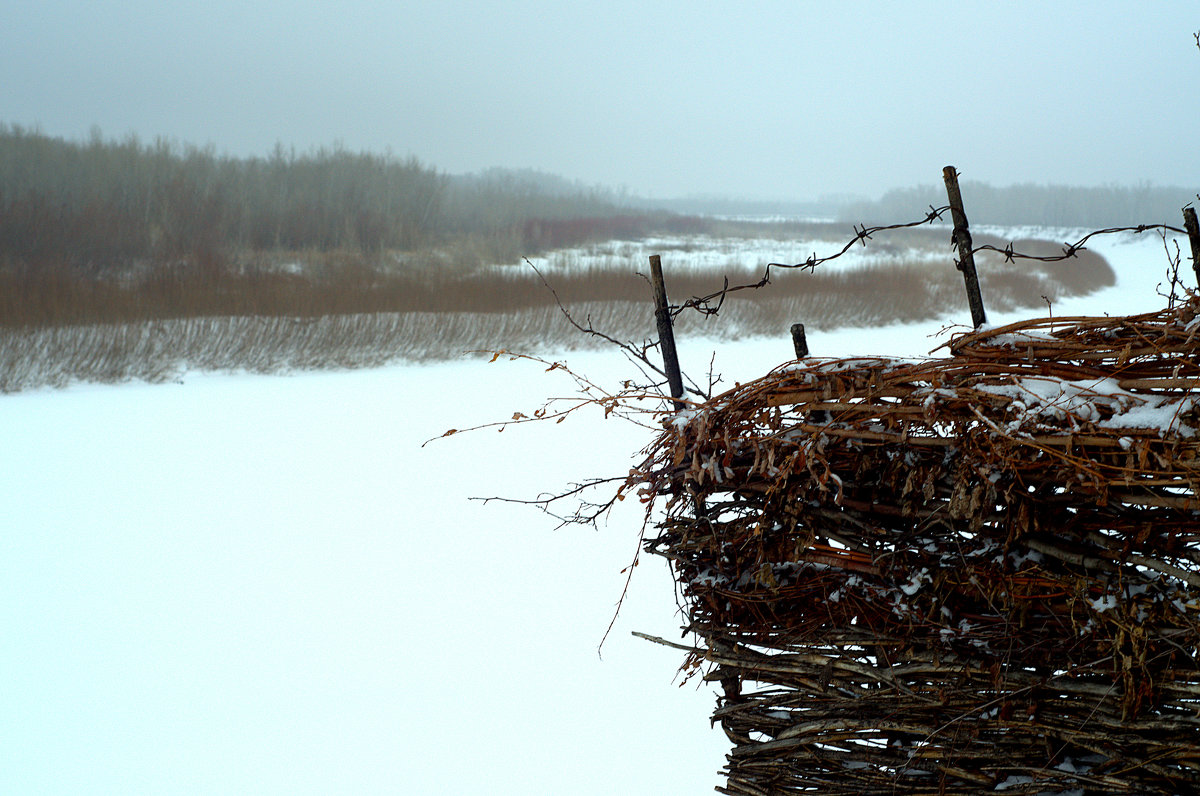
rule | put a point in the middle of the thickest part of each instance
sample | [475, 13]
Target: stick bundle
[954, 575]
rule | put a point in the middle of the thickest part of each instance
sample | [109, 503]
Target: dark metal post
[799, 341]
[962, 239]
[1193, 231]
[666, 333]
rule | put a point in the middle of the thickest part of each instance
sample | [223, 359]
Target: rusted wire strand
[1072, 249]
[712, 303]
[862, 234]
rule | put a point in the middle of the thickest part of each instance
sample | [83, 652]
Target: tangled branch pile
[962, 575]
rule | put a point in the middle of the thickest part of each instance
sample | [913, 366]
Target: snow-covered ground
[265, 584]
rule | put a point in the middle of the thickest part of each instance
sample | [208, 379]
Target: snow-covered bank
[266, 585]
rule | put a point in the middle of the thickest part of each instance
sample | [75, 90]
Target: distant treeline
[1034, 205]
[100, 203]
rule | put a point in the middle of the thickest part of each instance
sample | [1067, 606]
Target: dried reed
[957, 575]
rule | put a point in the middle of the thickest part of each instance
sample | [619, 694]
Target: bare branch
[584, 512]
[638, 355]
[1174, 284]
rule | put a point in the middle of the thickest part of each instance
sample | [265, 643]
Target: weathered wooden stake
[666, 333]
[962, 239]
[1193, 231]
[799, 341]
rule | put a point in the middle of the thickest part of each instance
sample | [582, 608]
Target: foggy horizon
[774, 102]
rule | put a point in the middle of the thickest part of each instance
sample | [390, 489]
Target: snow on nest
[1049, 397]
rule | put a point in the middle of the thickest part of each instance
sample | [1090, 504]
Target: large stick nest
[955, 575]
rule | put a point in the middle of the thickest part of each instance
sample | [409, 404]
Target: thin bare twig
[638, 355]
[584, 513]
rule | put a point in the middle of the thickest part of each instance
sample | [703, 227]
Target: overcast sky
[756, 100]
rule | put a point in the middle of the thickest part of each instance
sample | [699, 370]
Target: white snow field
[266, 585]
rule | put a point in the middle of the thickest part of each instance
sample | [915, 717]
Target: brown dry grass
[343, 311]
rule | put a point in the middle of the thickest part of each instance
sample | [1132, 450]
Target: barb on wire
[711, 304]
[1071, 249]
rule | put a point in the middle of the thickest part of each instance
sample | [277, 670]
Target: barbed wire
[711, 304]
[862, 234]
[1071, 249]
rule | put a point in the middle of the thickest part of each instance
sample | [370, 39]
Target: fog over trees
[1036, 205]
[103, 203]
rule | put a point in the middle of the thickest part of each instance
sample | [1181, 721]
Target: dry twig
[955, 575]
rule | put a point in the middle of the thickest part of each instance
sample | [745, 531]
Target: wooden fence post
[962, 239]
[799, 341]
[1193, 231]
[666, 333]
